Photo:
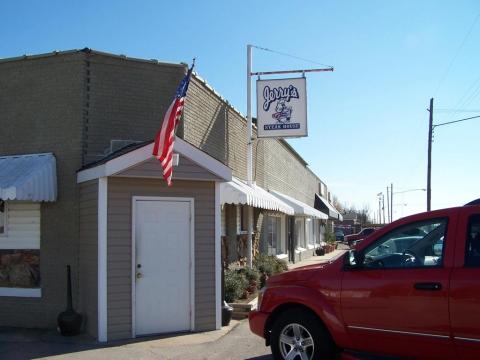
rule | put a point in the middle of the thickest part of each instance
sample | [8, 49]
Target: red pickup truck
[397, 294]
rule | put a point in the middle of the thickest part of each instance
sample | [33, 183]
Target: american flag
[163, 148]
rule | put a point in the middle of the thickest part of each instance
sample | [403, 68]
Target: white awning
[237, 192]
[300, 208]
[30, 177]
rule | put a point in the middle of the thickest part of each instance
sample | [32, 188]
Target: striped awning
[30, 177]
[300, 208]
[237, 192]
[322, 204]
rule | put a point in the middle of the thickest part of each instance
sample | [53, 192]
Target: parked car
[395, 295]
[350, 239]
[339, 235]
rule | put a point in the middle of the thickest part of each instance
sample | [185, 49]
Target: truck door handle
[429, 286]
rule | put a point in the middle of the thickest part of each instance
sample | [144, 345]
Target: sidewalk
[318, 259]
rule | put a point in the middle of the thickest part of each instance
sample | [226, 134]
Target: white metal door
[162, 267]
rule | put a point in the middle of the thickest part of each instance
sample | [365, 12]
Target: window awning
[323, 205]
[300, 208]
[30, 177]
[237, 192]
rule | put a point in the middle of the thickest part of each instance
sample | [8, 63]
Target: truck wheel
[297, 334]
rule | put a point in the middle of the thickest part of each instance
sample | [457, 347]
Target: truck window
[472, 256]
[418, 244]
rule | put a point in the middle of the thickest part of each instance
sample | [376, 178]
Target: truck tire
[298, 334]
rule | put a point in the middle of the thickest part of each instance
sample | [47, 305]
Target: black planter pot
[320, 251]
[69, 322]
[227, 311]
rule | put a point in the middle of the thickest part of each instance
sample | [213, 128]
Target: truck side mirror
[353, 259]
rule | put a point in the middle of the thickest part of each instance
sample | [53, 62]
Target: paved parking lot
[238, 343]
[234, 342]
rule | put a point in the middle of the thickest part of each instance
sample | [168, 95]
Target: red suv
[409, 290]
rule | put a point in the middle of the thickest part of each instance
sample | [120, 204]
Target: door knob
[139, 275]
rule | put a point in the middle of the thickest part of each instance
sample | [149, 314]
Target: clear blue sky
[367, 120]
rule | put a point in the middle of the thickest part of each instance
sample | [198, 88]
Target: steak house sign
[282, 108]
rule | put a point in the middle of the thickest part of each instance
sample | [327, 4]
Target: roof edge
[87, 50]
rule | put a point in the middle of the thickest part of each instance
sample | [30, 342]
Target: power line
[468, 96]
[456, 110]
[456, 54]
[456, 121]
[289, 55]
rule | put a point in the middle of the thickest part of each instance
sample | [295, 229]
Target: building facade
[82, 106]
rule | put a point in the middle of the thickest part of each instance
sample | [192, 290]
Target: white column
[102, 258]
[249, 117]
[218, 259]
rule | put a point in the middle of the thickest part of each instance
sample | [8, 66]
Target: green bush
[252, 274]
[238, 280]
[268, 265]
[235, 284]
[329, 236]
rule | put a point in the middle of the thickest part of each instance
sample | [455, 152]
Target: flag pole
[249, 153]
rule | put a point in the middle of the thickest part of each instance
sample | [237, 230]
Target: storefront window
[273, 235]
[20, 268]
[19, 247]
[309, 232]
[300, 233]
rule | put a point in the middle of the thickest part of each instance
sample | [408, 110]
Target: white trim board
[137, 156]
[218, 259]
[192, 253]
[102, 259]
[21, 292]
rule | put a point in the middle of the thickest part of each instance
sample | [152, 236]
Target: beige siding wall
[88, 250]
[186, 170]
[120, 193]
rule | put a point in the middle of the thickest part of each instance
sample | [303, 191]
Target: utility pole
[379, 209]
[391, 201]
[389, 219]
[383, 207]
[429, 166]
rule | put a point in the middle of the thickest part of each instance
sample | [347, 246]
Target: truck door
[396, 301]
[465, 286]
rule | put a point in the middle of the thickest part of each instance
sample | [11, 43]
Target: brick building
[89, 110]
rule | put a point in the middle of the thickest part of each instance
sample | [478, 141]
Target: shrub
[268, 265]
[235, 284]
[252, 275]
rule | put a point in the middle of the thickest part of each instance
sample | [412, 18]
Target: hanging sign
[282, 108]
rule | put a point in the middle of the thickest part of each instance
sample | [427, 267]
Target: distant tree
[362, 213]
[336, 203]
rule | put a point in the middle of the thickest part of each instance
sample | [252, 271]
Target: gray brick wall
[214, 127]
[125, 100]
[73, 105]
[284, 173]
[41, 107]
[211, 124]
